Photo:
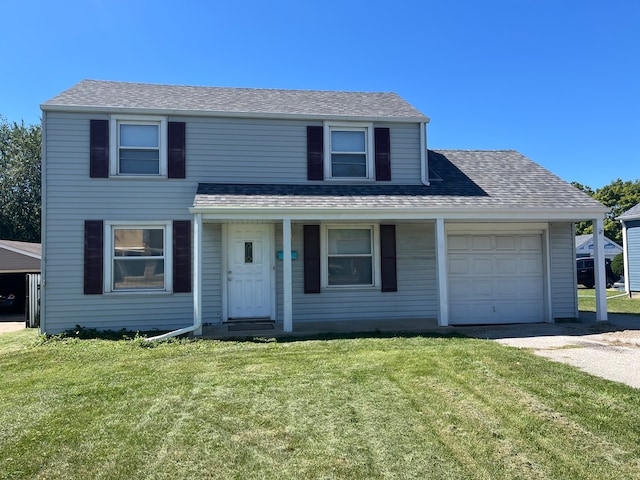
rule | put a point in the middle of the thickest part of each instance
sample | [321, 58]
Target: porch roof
[462, 182]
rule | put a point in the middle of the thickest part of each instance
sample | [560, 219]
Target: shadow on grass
[565, 326]
[342, 336]
[83, 333]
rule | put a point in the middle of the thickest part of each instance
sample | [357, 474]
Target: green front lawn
[364, 408]
[615, 302]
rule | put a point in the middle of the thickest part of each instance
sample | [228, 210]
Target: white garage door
[495, 279]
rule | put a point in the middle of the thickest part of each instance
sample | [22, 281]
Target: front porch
[322, 328]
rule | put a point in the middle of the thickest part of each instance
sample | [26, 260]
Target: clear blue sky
[558, 80]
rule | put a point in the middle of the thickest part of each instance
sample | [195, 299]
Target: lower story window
[138, 259]
[350, 256]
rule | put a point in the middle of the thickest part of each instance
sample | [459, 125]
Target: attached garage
[496, 278]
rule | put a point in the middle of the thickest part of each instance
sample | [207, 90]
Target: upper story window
[349, 151]
[138, 146]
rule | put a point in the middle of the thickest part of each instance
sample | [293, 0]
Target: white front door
[249, 266]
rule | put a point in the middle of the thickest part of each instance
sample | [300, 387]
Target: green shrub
[617, 264]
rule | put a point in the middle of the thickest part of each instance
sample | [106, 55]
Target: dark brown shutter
[93, 257]
[176, 140]
[99, 149]
[312, 259]
[315, 149]
[388, 258]
[383, 154]
[181, 256]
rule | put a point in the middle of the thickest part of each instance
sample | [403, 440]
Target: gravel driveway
[609, 350]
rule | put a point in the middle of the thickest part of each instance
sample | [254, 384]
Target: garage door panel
[531, 242]
[531, 266]
[459, 266]
[457, 242]
[476, 290]
[481, 242]
[497, 279]
[506, 266]
[478, 313]
[531, 287]
[482, 266]
[506, 242]
[507, 288]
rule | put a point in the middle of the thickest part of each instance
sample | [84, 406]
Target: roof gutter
[205, 113]
[409, 213]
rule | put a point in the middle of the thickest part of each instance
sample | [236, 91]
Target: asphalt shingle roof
[631, 214]
[97, 94]
[19, 256]
[493, 180]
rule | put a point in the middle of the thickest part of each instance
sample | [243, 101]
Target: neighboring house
[631, 245]
[166, 207]
[585, 248]
[17, 260]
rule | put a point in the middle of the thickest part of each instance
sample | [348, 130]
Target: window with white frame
[138, 257]
[350, 256]
[138, 146]
[349, 150]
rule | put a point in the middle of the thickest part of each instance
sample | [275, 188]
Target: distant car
[586, 274]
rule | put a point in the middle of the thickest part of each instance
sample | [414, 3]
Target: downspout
[197, 285]
[424, 157]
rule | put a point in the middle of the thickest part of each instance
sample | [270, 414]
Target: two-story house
[166, 207]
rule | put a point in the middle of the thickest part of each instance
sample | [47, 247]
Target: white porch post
[197, 272]
[441, 273]
[286, 275]
[599, 270]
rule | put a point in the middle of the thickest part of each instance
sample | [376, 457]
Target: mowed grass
[617, 302]
[350, 408]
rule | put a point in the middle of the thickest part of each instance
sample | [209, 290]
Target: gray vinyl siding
[564, 298]
[405, 153]
[211, 273]
[633, 251]
[71, 197]
[250, 151]
[417, 285]
[218, 150]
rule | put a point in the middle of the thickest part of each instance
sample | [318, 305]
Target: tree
[617, 264]
[620, 196]
[20, 183]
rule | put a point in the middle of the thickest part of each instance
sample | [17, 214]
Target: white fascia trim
[21, 252]
[321, 213]
[495, 227]
[43, 225]
[201, 113]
